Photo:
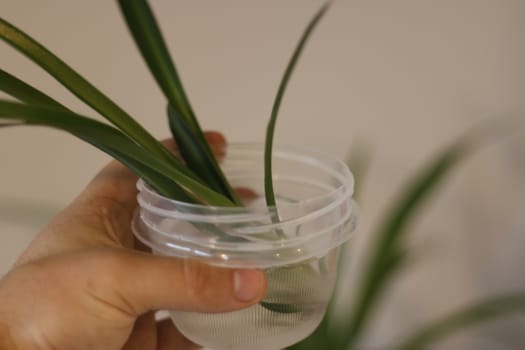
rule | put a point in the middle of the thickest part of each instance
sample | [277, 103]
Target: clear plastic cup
[297, 245]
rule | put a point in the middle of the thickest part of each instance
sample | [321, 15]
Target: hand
[81, 285]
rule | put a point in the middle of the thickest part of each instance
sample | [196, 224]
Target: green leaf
[143, 26]
[24, 92]
[80, 87]
[27, 93]
[196, 156]
[270, 130]
[482, 311]
[115, 143]
[281, 308]
[188, 134]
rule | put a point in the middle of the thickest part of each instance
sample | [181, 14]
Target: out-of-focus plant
[388, 254]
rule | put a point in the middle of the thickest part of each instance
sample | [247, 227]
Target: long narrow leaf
[112, 141]
[142, 24]
[24, 92]
[195, 155]
[480, 312]
[80, 87]
[93, 132]
[268, 183]
[160, 183]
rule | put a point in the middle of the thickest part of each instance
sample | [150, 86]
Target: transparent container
[297, 244]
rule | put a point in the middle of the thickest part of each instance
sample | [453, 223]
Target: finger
[148, 282]
[100, 292]
[247, 195]
[169, 338]
[217, 143]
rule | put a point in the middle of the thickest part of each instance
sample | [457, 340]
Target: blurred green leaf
[480, 312]
[387, 254]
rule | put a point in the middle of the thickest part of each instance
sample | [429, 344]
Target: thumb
[146, 282]
[99, 293]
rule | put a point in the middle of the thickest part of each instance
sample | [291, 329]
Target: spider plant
[197, 178]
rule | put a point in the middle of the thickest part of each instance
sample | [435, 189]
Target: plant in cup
[301, 276]
[192, 209]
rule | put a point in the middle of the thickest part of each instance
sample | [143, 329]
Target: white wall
[405, 77]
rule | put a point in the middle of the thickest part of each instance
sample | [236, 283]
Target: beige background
[404, 77]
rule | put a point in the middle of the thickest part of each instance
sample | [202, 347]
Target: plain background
[403, 78]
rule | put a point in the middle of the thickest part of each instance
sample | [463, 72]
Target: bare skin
[84, 284]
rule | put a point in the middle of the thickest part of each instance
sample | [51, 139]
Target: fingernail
[246, 193]
[247, 284]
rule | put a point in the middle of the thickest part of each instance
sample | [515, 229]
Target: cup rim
[304, 154]
[337, 198]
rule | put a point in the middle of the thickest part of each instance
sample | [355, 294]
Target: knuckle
[106, 267]
[113, 263]
[111, 217]
[107, 207]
